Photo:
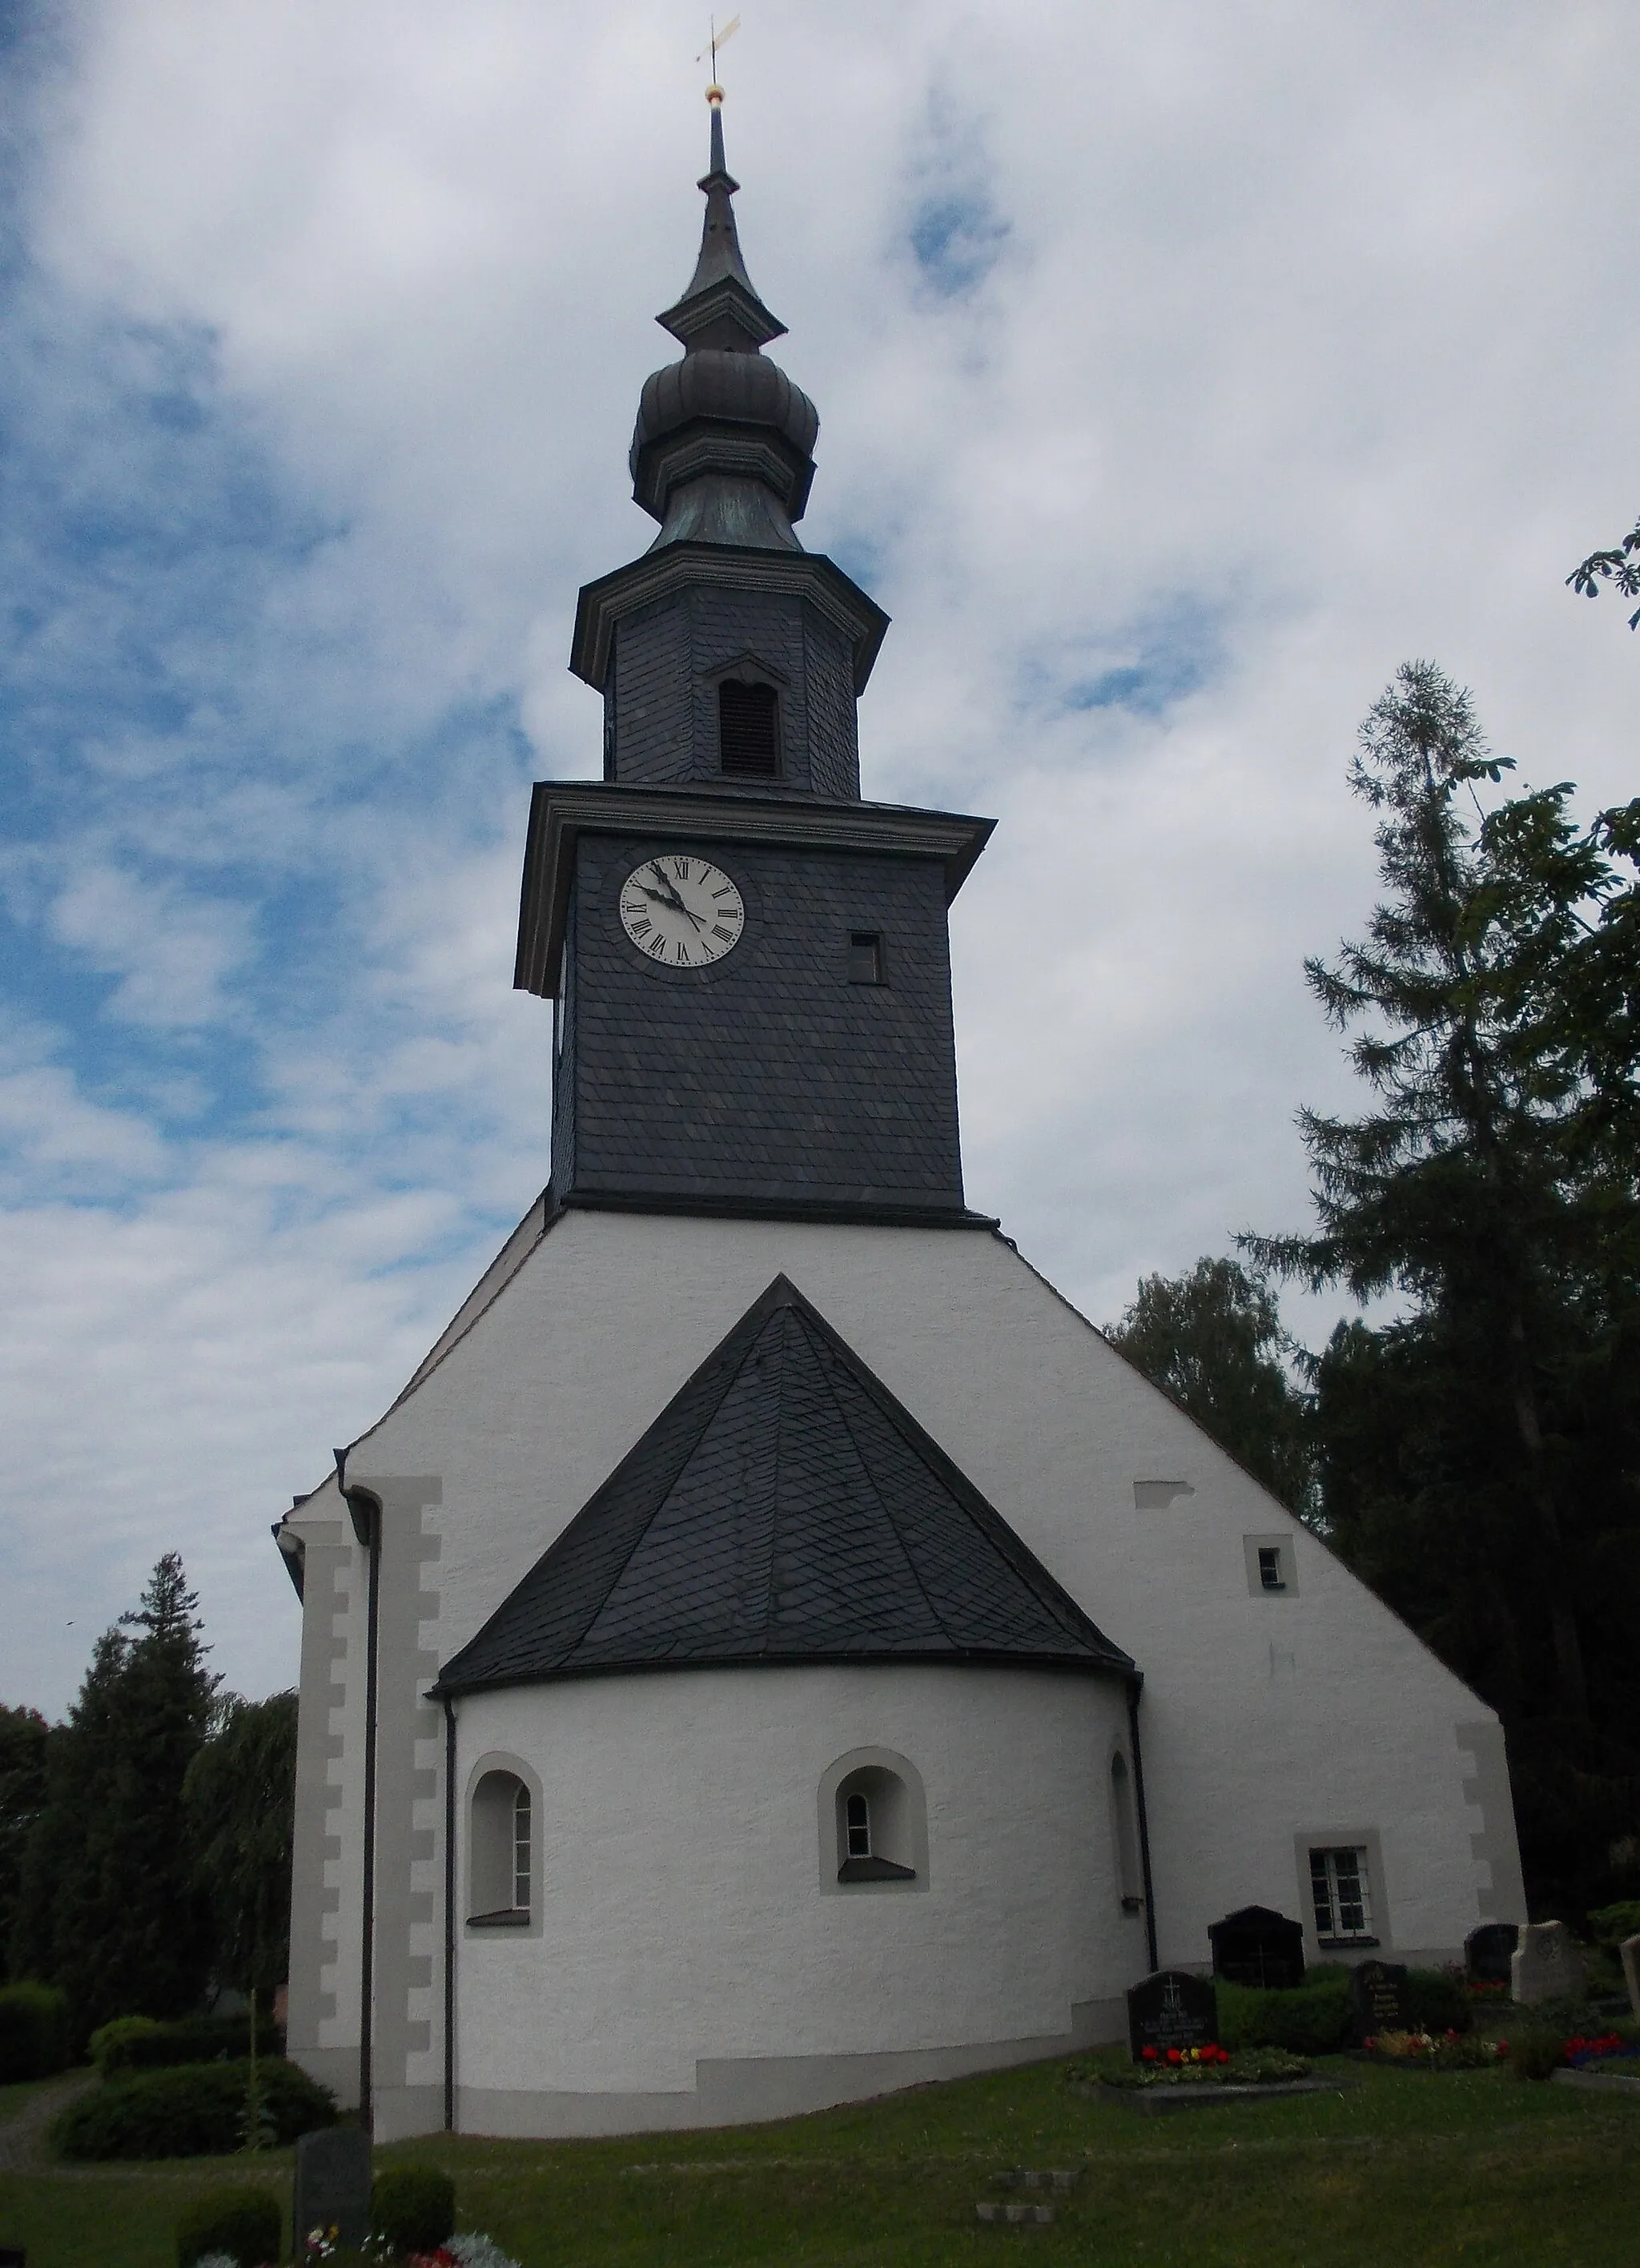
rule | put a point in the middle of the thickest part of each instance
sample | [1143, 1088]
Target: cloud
[1180, 371]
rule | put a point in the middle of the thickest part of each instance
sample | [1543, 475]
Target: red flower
[1173, 2056]
[1147, 2055]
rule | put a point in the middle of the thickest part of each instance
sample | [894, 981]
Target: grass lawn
[1472, 2168]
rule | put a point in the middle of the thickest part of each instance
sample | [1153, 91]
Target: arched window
[1125, 1825]
[500, 1856]
[874, 1827]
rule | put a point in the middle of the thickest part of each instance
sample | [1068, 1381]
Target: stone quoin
[775, 1650]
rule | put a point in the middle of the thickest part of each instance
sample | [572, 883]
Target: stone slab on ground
[1598, 2082]
[1151, 2100]
[1016, 2216]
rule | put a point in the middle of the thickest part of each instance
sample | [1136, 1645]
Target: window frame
[832, 1826]
[1379, 1906]
[501, 1921]
[1253, 1548]
[866, 940]
[759, 683]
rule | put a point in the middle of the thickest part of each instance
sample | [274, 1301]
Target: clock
[681, 912]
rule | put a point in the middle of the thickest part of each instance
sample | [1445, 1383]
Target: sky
[1182, 371]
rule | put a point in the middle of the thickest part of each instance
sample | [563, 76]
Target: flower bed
[1205, 2066]
[1435, 2051]
[1606, 2048]
[467, 2249]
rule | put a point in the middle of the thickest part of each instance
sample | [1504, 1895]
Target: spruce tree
[24, 1738]
[1481, 1453]
[109, 1909]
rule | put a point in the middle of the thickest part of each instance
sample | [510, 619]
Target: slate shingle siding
[661, 698]
[769, 1078]
[783, 1506]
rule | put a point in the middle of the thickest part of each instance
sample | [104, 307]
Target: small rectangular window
[1341, 1895]
[1270, 1577]
[866, 957]
[1272, 1568]
[748, 730]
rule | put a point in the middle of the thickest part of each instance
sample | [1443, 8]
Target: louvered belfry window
[748, 730]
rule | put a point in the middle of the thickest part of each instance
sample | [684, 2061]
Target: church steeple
[723, 451]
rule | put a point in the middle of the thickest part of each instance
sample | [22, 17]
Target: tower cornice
[561, 811]
[733, 567]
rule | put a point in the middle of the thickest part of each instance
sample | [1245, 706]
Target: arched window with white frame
[501, 1852]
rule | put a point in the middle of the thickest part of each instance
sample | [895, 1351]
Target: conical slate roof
[784, 1507]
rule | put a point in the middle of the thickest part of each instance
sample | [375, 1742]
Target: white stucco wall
[1265, 1719]
[680, 1901]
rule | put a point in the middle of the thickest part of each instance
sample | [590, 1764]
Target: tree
[1620, 567]
[108, 1908]
[24, 1733]
[1214, 1341]
[239, 1793]
[1480, 1455]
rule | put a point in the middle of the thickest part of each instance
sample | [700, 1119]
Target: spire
[721, 307]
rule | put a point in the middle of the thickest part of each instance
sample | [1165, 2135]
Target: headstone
[1378, 1999]
[333, 2183]
[1256, 1946]
[1547, 1965]
[1171, 2009]
[1488, 1951]
[1631, 1951]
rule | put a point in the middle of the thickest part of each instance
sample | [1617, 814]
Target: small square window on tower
[866, 957]
[748, 730]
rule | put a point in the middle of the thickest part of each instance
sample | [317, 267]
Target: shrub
[1609, 1926]
[1436, 2002]
[242, 2223]
[1308, 2019]
[108, 2040]
[1535, 2055]
[193, 2110]
[33, 2031]
[412, 2208]
[139, 2044]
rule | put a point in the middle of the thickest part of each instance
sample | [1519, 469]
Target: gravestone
[1547, 1965]
[1488, 1951]
[1171, 2009]
[1378, 1999]
[1255, 1945]
[1631, 1951]
[333, 2182]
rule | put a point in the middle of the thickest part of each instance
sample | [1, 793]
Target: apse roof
[784, 1507]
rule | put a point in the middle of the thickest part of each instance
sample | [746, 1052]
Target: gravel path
[23, 2138]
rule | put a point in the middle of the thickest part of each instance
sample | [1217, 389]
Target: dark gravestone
[1378, 1999]
[1256, 1946]
[1488, 1951]
[332, 2179]
[1170, 2009]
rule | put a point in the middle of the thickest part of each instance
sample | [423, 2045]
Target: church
[775, 1650]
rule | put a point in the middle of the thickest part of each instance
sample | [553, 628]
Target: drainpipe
[450, 1913]
[366, 1515]
[1144, 1824]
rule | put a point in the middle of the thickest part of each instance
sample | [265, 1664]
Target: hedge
[1313, 2018]
[190, 2111]
[412, 2208]
[244, 2223]
[33, 2031]
[139, 2044]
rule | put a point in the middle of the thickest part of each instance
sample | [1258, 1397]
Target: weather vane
[714, 92]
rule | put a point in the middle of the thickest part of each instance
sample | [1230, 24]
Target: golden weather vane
[718, 39]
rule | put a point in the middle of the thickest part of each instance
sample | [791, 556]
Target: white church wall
[1264, 1716]
[684, 1918]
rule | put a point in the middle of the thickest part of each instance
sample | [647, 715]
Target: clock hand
[668, 896]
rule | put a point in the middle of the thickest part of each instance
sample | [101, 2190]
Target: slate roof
[784, 1507]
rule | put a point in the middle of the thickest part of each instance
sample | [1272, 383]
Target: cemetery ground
[1472, 2168]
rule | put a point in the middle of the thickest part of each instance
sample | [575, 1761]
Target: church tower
[773, 1649]
[749, 964]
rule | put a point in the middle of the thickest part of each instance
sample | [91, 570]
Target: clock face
[681, 911]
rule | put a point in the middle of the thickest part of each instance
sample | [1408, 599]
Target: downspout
[366, 1515]
[1144, 1823]
[450, 1899]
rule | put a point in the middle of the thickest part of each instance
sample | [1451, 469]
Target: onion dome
[723, 451]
